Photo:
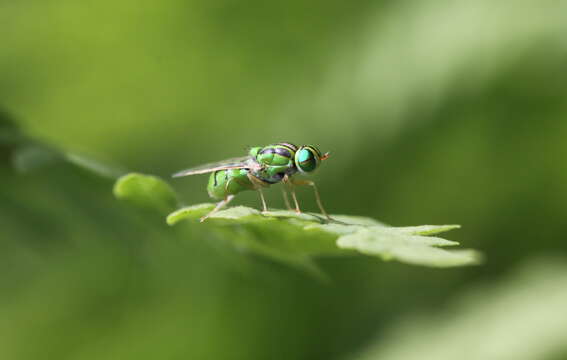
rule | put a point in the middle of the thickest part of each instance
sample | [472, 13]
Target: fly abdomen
[228, 182]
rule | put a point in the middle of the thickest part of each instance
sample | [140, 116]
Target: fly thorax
[275, 155]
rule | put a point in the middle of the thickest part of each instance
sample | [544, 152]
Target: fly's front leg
[219, 206]
[317, 196]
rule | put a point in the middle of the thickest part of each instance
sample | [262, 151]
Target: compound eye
[306, 160]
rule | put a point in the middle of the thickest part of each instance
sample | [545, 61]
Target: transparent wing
[234, 163]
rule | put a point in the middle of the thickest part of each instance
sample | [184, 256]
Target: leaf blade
[284, 235]
[146, 191]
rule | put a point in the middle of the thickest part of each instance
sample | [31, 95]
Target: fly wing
[234, 163]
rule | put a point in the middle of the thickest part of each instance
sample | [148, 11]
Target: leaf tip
[145, 191]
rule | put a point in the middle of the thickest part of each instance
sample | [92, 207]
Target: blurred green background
[434, 111]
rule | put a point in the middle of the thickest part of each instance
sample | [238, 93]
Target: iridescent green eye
[306, 159]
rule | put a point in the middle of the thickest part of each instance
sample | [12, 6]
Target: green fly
[262, 167]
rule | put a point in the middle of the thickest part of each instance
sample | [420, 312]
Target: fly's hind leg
[219, 206]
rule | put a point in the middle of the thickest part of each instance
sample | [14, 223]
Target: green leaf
[287, 235]
[194, 212]
[428, 229]
[146, 191]
[391, 244]
[296, 239]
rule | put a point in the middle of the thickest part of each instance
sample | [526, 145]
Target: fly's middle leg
[264, 206]
[286, 198]
[288, 182]
[258, 184]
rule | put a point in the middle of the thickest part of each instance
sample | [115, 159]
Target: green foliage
[434, 112]
[391, 244]
[9, 131]
[145, 191]
[28, 154]
[297, 238]
[33, 157]
[520, 318]
[94, 166]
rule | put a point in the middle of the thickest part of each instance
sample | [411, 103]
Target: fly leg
[286, 199]
[317, 196]
[288, 182]
[258, 185]
[294, 197]
[264, 206]
[219, 206]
